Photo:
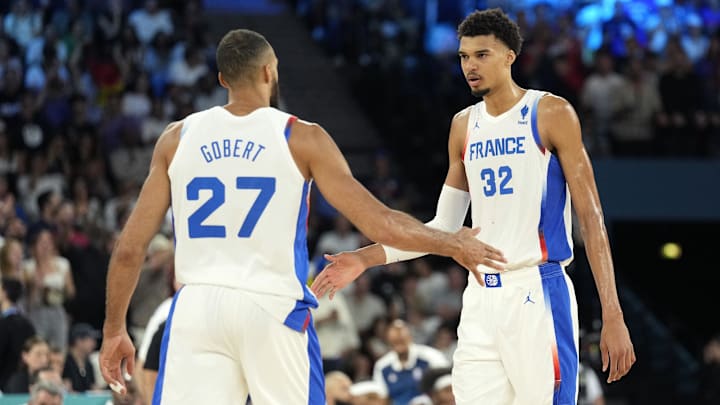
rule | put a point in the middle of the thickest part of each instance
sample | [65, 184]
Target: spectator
[367, 393]
[57, 360]
[209, 94]
[154, 124]
[149, 21]
[694, 42]
[710, 374]
[638, 105]
[337, 388]
[399, 371]
[48, 203]
[136, 101]
[340, 238]
[23, 23]
[590, 391]
[46, 393]
[46, 375]
[15, 328]
[437, 388]
[336, 331]
[34, 356]
[600, 87]
[153, 287]
[39, 187]
[11, 260]
[445, 340]
[151, 364]
[79, 372]
[50, 284]
[186, 71]
[681, 95]
[365, 307]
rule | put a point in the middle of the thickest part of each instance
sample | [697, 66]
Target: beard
[275, 95]
[480, 93]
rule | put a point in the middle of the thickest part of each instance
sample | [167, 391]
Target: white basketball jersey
[520, 199]
[240, 207]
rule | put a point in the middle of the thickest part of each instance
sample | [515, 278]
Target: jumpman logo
[528, 299]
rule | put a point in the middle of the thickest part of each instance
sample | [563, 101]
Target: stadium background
[86, 87]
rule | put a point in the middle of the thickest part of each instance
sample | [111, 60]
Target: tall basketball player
[518, 155]
[237, 178]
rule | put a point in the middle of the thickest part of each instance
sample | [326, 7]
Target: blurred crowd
[644, 75]
[86, 87]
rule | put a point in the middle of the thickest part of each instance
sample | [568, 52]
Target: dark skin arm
[127, 259]
[560, 132]
[317, 157]
[345, 267]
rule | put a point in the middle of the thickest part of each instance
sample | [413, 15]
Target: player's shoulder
[551, 104]
[172, 132]
[168, 141]
[461, 117]
[306, 132]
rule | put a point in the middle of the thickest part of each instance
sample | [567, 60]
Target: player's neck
[503, 98]
[244, 102]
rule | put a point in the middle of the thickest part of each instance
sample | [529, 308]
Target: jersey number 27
[197, 229]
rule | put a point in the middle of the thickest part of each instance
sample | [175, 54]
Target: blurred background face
[57, 360]
[87, 344]
[399, 340]
[44, 244]
[37, 357]
[483, 62]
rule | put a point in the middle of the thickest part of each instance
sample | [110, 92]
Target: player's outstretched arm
[452, 206]
[560, 128]
[127, 258]
[319, 158]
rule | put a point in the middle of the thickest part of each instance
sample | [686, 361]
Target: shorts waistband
[511, 277]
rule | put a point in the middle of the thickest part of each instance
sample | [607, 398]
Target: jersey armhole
[472, 116]
[288, 127]
[534, 124]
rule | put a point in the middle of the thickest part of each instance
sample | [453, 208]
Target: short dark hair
[13, 289]
[492, 22]
[239, 52]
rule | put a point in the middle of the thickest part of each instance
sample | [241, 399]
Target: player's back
[239, 207]
[519, 193]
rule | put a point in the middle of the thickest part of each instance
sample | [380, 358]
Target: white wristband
[450, 215]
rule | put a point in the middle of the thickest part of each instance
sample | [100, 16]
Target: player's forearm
[406, 233]
[122, 278]
[600, 258]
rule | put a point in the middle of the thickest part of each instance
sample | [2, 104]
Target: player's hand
[616, 348]
[475, 253]
[342, 269]
[116, 351]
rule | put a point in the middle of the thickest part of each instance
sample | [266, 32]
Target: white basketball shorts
[518, 340]
[219, 346]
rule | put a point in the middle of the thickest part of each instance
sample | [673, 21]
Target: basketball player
[517, 154]
[238, 178]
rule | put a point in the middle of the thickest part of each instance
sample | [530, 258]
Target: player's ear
[510, 58]
[222, 81]
[267, 73]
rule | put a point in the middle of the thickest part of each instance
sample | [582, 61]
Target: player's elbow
[128, 254]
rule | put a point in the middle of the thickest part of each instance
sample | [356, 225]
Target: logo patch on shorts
[492, 280]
